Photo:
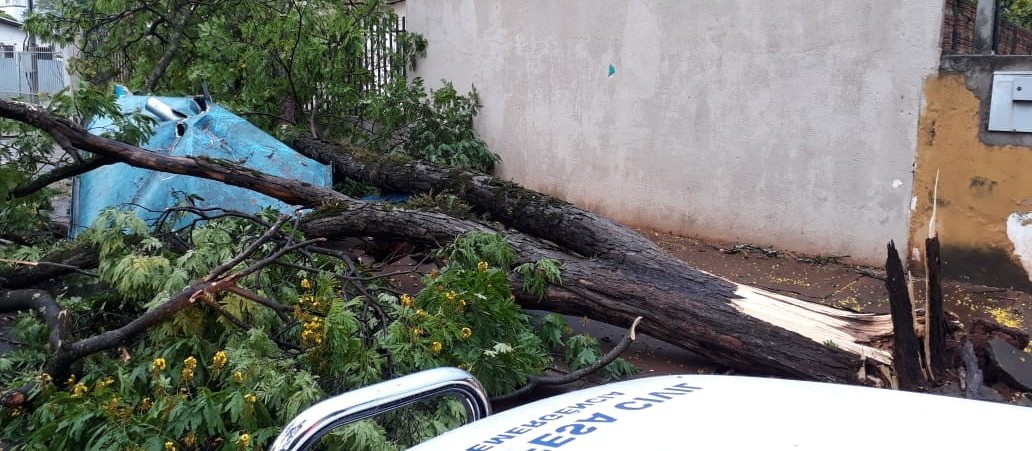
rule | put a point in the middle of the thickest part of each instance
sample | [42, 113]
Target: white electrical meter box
[1010, 109]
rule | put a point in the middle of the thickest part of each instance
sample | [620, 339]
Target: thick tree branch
[529, 211]
[286, 190]
[44, 304]
[64, 261]
[56, 320]
[71, 268]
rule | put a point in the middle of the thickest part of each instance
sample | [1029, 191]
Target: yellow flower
[71, 381]
[436, 347]
[158, 365]
[450, 295]
[420, 312]
[170, 446]
[417, 331]
[45, 378]
[245, 440]
[146, 404]
[467, 332]
[250, 398]
[190, 363]
[482, 266]
[104, 383]
[111, 406]
[190, 439]
[187, 375]
[238, 377]
[79, 390]
[306, 284]
[219, 360]
[434, 273]
[16, 412]
[406, 300]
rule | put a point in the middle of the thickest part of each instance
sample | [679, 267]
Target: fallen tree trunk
[611, 273]
[742, 327]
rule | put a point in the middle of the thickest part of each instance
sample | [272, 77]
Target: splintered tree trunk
[906, 347]
[936, 326]
[610, 273]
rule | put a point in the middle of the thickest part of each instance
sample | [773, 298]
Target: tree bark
[741, 327]
[936, 326]
[81, 256]
[906, 352]
[610, 273]
[185, 11]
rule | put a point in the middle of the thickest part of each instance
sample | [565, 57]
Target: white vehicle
[685, 412]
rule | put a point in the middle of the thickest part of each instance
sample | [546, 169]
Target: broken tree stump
[936, 326]
[906, 350]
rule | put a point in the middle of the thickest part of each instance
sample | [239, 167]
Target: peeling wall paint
[981, 185]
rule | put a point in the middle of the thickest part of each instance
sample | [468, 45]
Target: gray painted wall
[789, 123]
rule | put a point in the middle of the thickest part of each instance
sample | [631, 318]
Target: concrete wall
[984, 199]
[791, 123]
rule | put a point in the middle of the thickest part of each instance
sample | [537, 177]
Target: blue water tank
[188, 127]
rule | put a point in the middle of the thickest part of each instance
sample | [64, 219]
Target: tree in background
[295, 66]
[1017, 11]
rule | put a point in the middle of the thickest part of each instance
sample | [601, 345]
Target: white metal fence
[17, 69]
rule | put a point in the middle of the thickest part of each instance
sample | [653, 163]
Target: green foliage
[28, 152]
[466, 316]
[1017, 11]
[470, 249]
[552, 330]
[292, 67]
[538, 275]
[580, 351]
[198, 381]
[436, 127]
[448, 204]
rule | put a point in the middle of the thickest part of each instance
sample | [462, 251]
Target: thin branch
[61, 173]
[269, 234]
[534, 382]
[210, 302]
[275, 255]
[71, 268]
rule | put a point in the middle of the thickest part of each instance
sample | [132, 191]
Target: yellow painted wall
[980, 186]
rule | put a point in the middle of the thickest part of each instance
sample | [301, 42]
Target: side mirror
[308, 427]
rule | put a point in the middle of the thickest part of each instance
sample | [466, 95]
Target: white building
[17, 65]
